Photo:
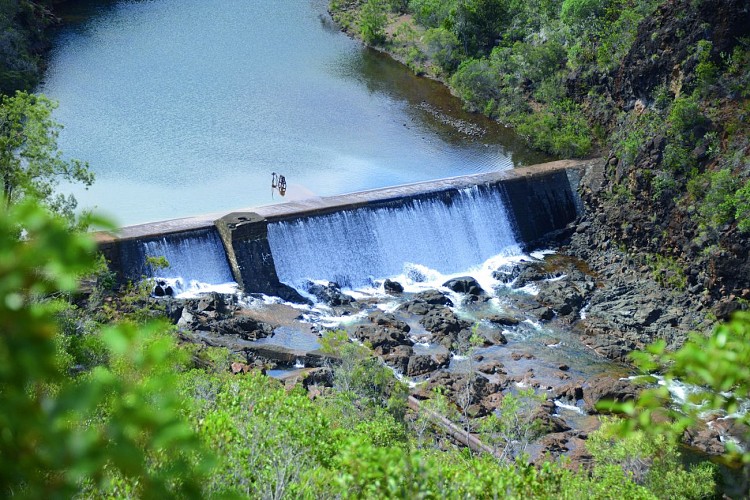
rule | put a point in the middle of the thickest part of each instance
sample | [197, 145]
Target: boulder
[465, 284]
[399, 358]
[607, 388]
[504, 320]
[329, 294]
[322, 376]
[433, 297]
[421, 364]
[244, 327]
[381, 318]
[392, 287]
[491, 367]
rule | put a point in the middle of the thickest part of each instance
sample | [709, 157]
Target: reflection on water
[185, 107]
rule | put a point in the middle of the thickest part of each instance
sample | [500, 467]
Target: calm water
[184, 107]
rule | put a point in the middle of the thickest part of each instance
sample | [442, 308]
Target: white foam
[569, 407]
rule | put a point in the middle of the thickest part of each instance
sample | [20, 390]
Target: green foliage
[650, 461]
[478, 24]
[705, 71]
[561, 129]
[30, 163]
[577, 11]
[444, 48]
[22, 34]
[60, 434]
[511, 428]
[717, 366]
[372, 21]
[667, 271]
[269, 442]
[364, 384]
[431, 13]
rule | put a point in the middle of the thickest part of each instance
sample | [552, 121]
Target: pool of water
[183, 107]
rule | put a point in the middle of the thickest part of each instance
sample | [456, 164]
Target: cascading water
[195, 261]
[451, 232]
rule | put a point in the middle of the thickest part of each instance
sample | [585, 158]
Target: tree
[109, 427]
[30, 163]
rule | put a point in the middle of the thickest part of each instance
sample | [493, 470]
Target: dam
[448, 224]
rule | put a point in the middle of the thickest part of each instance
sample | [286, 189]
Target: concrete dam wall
[448, 224]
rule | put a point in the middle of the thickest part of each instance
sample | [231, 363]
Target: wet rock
[543, 313]
[570, 392]
[534, 272]
[516, 356]
[564, 296]
[243, 327]
[329, 294]
[399, 358]
[496, 338]
[384, 334]
[465, 284]
[445, 326]
[322, 377]
[705, 439]
[607, 388]
[392, 287]
[424, 363]
[491, 367]
[416, 307]
[381, 318]
[433, 297]
[504, 320]
[424, 302]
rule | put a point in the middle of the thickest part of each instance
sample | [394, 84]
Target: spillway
[450, 231]
[197, 256]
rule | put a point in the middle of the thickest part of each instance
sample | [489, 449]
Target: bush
[577, 11]
[372, 21]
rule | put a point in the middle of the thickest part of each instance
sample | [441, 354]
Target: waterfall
[196, 257]
[450, 232]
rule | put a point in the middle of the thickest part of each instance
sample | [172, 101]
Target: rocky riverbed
[560, 321]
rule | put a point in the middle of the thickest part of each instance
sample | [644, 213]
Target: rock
[158, 291]
[381, 318]
[244, 327]
[543, 313]
[496, 338]
[385, 333]
[392, 287]
[570, 392]
[445, 326]
[465, 284]
[424, 302]
[607, 388]
[433, 297]
[417, 307]
[498, 319]
[322, 376]
[399, 358]
[421, 364]
[491, 367]
[329, 294]
[563, 368]
[186, 319]
[705, 439]
[240, 368]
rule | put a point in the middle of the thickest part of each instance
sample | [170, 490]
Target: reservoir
[184, 107]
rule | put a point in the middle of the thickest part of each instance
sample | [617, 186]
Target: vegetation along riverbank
[523, 388]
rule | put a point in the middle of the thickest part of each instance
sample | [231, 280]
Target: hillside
[659, 89]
